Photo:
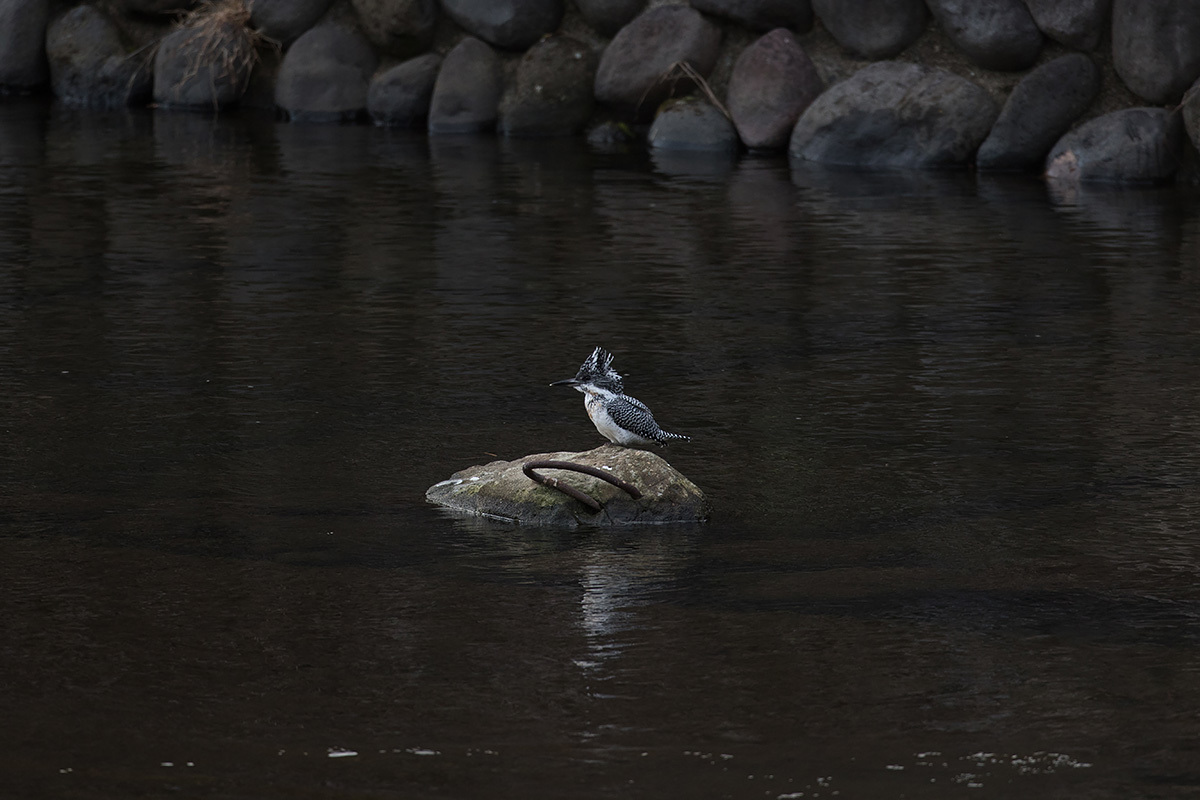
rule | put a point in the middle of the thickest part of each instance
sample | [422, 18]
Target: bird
[621, 419]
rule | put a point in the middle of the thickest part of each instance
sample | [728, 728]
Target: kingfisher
[620, 418]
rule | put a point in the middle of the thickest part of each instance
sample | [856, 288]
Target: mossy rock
[502, 490]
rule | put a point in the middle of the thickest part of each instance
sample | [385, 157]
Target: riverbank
[1079, 91]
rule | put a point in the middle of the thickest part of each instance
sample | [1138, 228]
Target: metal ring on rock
[529, 467]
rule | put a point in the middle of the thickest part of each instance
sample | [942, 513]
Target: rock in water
[324, 75]
[23, 43]
[552, 93]
[89, 65]
[466, 92]
[207, 65]
[692, 124]
[500, 489]
[773, 81]
[893, 115]
[637, 69]
[1041, 108]
[1132, 145]
[401, 95]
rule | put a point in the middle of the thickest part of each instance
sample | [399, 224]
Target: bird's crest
[597, 370]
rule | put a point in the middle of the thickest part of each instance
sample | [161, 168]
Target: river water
[949, 425]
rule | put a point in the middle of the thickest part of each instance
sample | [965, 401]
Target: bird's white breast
[595, 405]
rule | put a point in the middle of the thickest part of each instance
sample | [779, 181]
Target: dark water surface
[950, 427]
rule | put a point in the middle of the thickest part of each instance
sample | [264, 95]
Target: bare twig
[681, 70]
[690, 71]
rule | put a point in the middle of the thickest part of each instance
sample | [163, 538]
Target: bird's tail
[667, 438]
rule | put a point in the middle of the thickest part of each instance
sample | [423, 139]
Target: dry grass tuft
[223, 42]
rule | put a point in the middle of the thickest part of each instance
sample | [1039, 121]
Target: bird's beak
[567, 382]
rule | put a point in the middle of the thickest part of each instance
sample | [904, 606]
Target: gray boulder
[403, 28]
[23, 43]
[609, 16]
[89, 64]
[284, 20]
[873, 29]
[1040, 109]
[324, 75]
[773, 81]
[155, 7]
[1191, 113]
[1076, 23]
[466, 94]
[1133, 145]
[552, 92]
[401, 95]
[761, 15]
[692, 124]
[204, 66]
[996, 34]
[502, 490]
[1156, 46]
[514, 24]
[636, 69]
[895, 115]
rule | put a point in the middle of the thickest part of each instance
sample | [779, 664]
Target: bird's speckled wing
[633, 415]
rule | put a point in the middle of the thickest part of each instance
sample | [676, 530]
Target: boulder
[403, 28]
[773, 81]
[761, 15]
[502, 490]
[206, 65]
[401, 95]
[552, 92]
[284, 20]
[1191, 113]
[23, 43]
[466, 94]
[514, 24]
[692, 124]
[609, 16]
[637, 70]
[324, 75]
[155, 7]
[89, 65]
[1133, 145]
[1076, 23]
[873, 29]
[997, 34]
[1041, 108]
[1156, 46]
[895, 115]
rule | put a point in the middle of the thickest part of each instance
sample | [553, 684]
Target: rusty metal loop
[529, 467]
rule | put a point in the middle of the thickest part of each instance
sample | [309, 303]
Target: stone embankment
[1081, 90]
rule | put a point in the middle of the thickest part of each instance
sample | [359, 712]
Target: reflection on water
[949, 425]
